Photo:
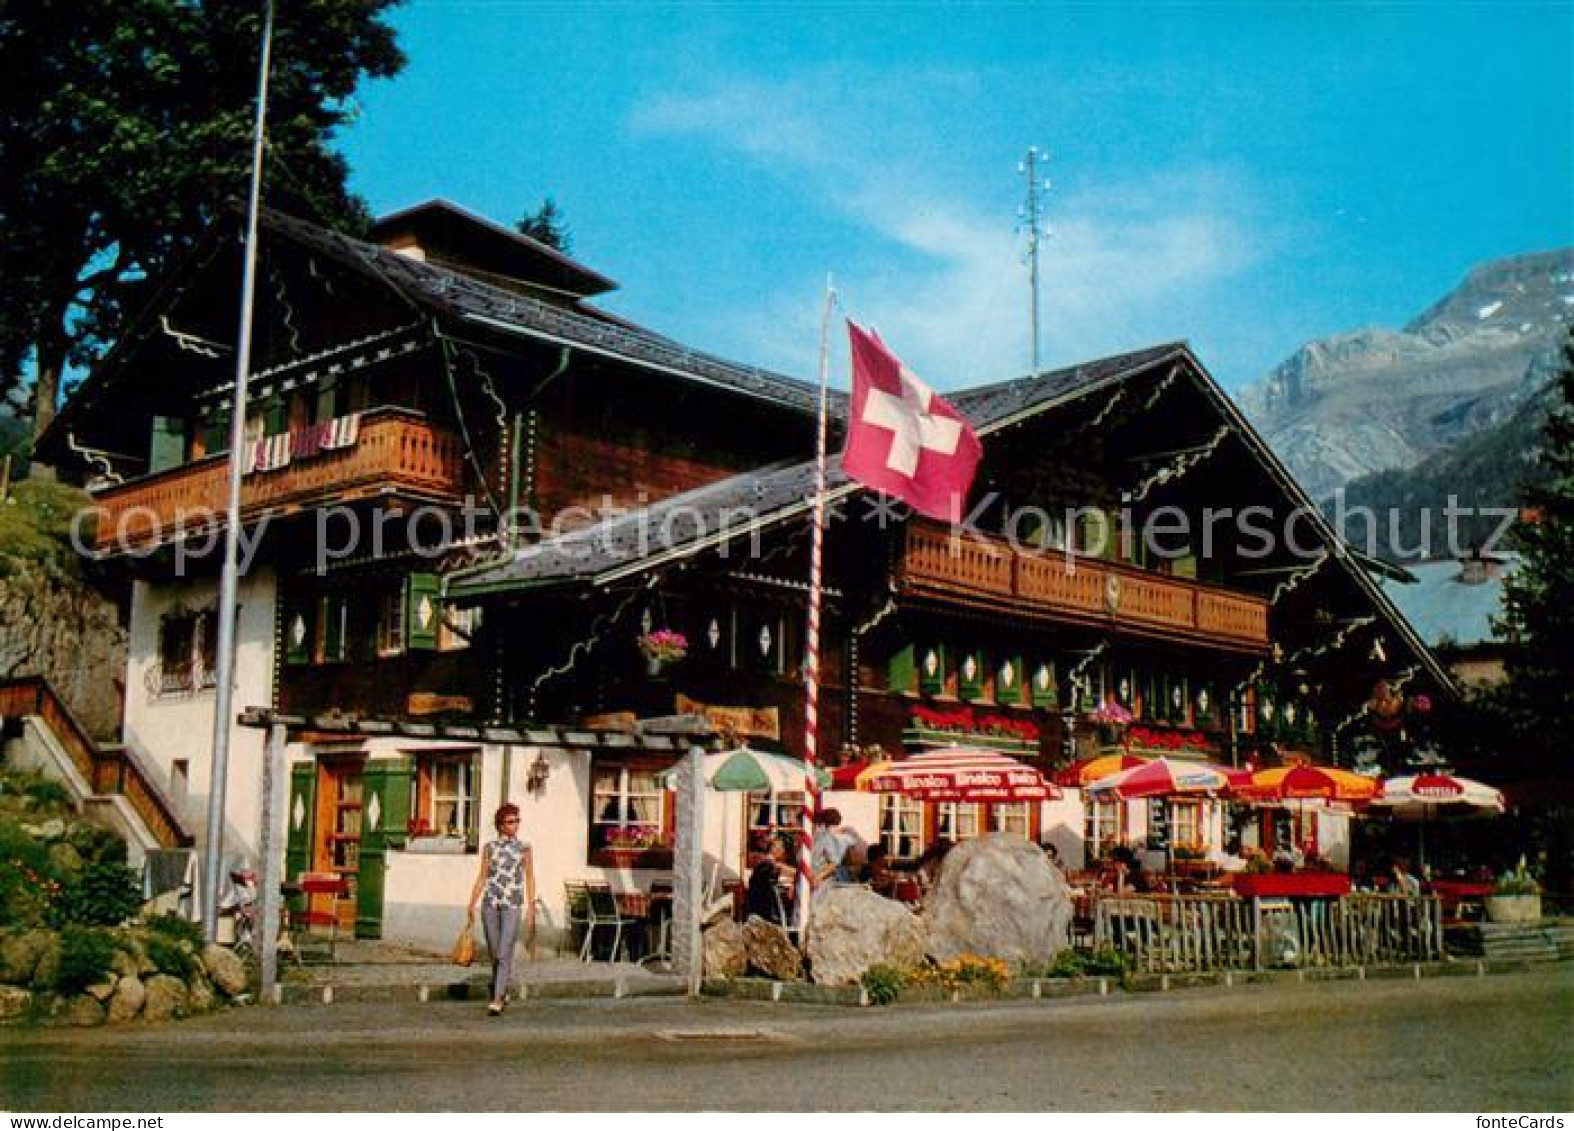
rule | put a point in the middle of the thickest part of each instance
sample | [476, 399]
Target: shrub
[883, 983]
[171, 956]
[102, 894]
[971, 970]
[86, 957]
[177, 929]
[47, 794]
[28, 887]
[1104, 961]
[94, 842]
[1069, 964]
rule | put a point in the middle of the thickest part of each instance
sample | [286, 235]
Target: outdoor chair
[313, 886]
[604, 916]
[576, 916]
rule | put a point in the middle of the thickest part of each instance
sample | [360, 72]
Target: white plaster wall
[1062, 823]
[168, 729]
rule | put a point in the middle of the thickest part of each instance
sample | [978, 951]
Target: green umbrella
[756, 771]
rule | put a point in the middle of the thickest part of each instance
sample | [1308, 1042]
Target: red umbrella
[1302, 783]
[963, 773]
[1164, 777]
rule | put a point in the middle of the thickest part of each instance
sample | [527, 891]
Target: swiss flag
[904, 440]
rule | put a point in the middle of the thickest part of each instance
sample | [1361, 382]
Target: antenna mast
[1029, 215]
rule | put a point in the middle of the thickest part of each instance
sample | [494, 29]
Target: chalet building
[469, 493]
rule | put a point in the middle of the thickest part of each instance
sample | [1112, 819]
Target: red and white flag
[904, 440]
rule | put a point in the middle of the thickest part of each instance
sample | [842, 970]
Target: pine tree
[1539, 599]
[545, 225]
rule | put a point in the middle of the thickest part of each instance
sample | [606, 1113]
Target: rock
[722, 945]
[854, 929]
[998, 897]
[47, 971]
[53, 829]
[225, 968]
[130, 993]
[85, 1012]
[124, 964]
[199, 994]
[14, 1002]
[166, 998]
[770, 950]
[102, 990]
[65, 859]
[19, 955]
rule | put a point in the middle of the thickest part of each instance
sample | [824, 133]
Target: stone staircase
[105, 780]
[1550, 940]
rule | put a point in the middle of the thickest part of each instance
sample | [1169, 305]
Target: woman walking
[505, 885]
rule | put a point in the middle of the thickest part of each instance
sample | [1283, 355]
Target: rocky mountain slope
[1356, 403]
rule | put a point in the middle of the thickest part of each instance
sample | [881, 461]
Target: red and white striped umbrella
[1421, 796]
[964, 773]
[1165, 777]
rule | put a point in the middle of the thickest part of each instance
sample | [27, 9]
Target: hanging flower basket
[661, 647]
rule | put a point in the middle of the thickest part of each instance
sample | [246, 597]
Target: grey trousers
[501, 926]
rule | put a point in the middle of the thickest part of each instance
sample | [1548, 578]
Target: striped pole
[811, 664]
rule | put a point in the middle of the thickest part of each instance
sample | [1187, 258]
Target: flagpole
[224, 677]
[811, 666]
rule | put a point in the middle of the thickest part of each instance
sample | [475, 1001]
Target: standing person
[505, 885]
[829, 849]
[1404, 882]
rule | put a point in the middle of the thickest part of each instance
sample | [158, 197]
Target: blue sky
[1245, 177]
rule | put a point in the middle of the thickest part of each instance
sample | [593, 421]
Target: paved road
[1458, 1044]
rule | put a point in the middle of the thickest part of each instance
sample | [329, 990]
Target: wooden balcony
[988, 572]
[397, 451]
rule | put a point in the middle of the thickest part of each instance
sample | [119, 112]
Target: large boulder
[85, 1011]
[14, 1002]
[854, 929]
[130, 993]
[771, 951]
[998, 897]
[167, 998]
[725, 955]
[199, 994]
[19, 955]
[225, 968]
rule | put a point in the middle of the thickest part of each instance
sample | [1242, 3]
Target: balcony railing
[987, 571]
[396, 450]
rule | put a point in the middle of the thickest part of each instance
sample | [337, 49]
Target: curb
[392, 994]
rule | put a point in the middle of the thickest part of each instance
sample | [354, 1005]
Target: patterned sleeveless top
[505, 873]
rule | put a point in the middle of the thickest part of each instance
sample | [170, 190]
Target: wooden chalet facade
[531, 484]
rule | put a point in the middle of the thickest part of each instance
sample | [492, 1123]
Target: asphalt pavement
[1477, 1044]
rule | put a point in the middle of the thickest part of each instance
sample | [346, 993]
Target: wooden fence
[1199, 933]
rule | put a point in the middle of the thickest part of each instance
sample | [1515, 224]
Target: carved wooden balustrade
[988, 571]
[396, 450]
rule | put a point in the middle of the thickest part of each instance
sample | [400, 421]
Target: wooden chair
[314, 886]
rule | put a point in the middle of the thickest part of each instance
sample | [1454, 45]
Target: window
[1186, 823]
[957, 820]
[187, 653]
[772, 813]
[1102, 830]
[457, 628]
[628, 811]
[1011, 818]
[390, 622]
[901, 826]
[444, 800]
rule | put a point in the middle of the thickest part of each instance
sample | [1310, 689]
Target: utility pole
[229, 579]
[1029, 216]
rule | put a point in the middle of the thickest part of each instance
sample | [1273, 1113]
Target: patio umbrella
[1164, 777]
[1424, 797]
[1307, 783]
[754, 771]
[858, 775]
[963, 773]
[1085, 771]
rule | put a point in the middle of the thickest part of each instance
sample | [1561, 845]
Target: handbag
[463, 953]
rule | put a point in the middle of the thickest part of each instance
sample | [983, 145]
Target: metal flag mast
[811, 665]
[1029, 214]
[213, 848]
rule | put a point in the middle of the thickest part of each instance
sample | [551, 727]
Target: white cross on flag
[904, 440]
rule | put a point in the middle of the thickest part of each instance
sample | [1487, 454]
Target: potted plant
[661, 647]
[420, 837]
[1111, 719]
[1516, 898]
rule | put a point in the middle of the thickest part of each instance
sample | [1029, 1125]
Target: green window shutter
[900, 674]
[421, 611]
[168, 448]
[1175, 689]
[1043, 688]
[333, 608]
[385, 790]
[1205, 705]
[216, 432]
[1267, 712]
[298, 819]
[275, 416]
[297, 633]
[970, 673]
[931, 669]
[1008, 680]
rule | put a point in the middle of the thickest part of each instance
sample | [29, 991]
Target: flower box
[653, 857]
[1284, 884]
[436, 845]
[930, 736]
[1513, 908]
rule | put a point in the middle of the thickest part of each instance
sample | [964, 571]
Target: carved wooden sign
[430, 703]
[745, 722]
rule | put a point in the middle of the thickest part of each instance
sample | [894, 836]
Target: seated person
[877, 872]
[764, 897]
[1230, 858]
[1404, 883]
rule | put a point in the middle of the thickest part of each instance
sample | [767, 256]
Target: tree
[545, 225]
[128, 127]
[1538, 698]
